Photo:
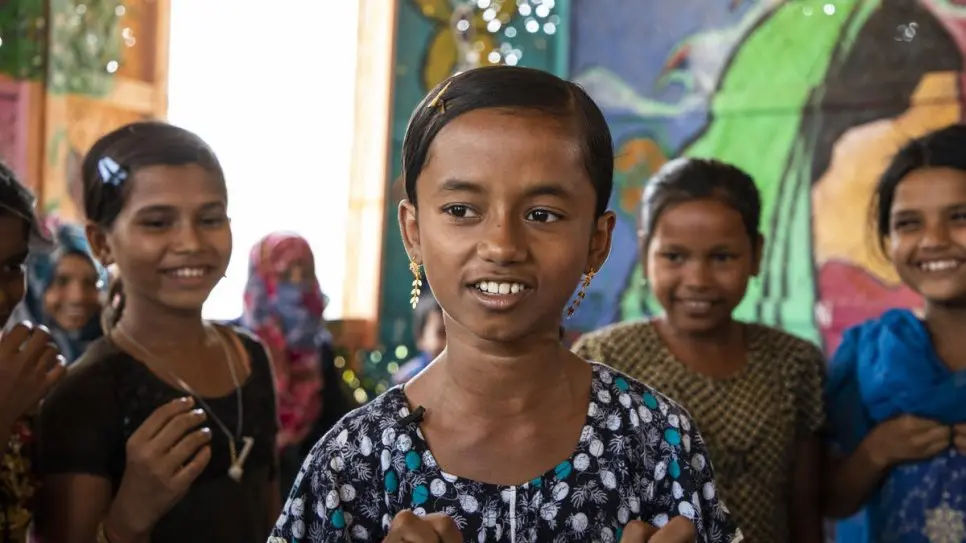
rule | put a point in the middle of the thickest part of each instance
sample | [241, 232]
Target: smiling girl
[897, 384]
[507, 436]
[756, 392]
[165, 429]
[63, 290]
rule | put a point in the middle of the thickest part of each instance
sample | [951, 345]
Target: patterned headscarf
[68, 239]
[287, 317]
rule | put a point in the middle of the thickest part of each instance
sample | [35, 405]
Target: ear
[756, 256]
[409, 228]
[642, 251]
[600, 240]
[97, 239]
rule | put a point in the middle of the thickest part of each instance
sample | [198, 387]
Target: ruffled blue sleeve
[848, 419]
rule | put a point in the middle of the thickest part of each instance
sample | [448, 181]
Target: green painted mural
[810, 96]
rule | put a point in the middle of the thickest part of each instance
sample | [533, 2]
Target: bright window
[271, 90]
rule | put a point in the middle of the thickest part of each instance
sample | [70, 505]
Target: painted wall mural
[71, 71]
[810, 97]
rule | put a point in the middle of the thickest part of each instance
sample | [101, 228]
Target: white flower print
[469, 503]
[337, 463]
[613, 422]
[626, 466]
[332, 499]
[560, 491]
[596, 448]
[347, 493]
[365, 446]
[437, 487]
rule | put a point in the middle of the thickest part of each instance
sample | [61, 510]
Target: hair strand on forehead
[511, 88]
[686, 179]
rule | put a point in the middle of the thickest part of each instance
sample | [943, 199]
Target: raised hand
[407, 527]
[30, 363]
[907, 438]
[164, 456]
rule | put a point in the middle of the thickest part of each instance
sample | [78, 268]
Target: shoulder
[784, 348]
[248, 339]
[92, 373]
[645, 407]
[615, 339]
[361, 431]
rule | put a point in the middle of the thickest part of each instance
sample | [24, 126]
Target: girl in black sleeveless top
[164, 431]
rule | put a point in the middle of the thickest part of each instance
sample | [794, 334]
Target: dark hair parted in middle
[119, 154]
[943, 148]
[511, 88]
[686, 179]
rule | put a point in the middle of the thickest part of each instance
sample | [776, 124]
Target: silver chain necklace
[236, 470]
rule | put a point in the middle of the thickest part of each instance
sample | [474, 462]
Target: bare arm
[274, 501]
[849, 481]
[805, 510]
[71, 507]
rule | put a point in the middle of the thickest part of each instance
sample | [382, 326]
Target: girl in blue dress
[897, 384]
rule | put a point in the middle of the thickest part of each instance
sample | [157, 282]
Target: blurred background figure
[284, 306]
[64, 288]
[430, 338]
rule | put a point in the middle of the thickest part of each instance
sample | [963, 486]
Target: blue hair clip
[111, 172]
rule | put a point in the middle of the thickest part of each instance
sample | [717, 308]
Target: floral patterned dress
[17, 484]
[639, 457]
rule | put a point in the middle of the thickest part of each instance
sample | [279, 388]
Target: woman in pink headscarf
[284, 307]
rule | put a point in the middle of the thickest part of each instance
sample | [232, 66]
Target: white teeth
[697, 305]
[188, 272]
[492, 287]
[939, 265]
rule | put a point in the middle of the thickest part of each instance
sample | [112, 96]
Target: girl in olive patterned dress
[507, 436]
[755, 392]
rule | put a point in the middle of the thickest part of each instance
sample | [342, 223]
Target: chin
[944, 297]
[184, 303]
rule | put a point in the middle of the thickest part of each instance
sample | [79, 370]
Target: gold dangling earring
[588, 277]
[417, 283]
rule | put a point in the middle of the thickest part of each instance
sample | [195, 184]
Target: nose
[187, 238]
[77, 292]
[935, 235]
[503, 241]
[697, 274]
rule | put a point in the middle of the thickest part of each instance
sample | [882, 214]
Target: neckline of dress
[401, 406]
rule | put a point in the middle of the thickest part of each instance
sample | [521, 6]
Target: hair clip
[111, 172]
[438, 100]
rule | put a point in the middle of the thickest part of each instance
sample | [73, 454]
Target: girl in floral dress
[508, 436]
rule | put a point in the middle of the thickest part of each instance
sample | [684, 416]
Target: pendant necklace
[236, 469]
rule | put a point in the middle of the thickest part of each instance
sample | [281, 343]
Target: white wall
[271, 90]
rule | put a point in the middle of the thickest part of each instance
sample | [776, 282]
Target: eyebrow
[543, 189]
[162, 208]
